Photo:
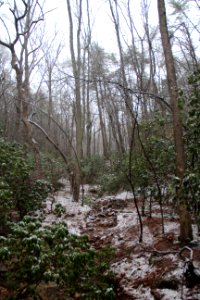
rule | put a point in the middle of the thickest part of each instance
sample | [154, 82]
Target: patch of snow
[147, 236]
[178, 271]
[123, 235]
[125, 220]
[167, 294]
[124, 196]
[140, 293]
[74, 215]
[133, 266]
[72, 207]
[64, 181]
[195, 232]
[172, 226]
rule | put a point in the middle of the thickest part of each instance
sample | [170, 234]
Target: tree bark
[185, 227]
[76, 67]
[124, 83]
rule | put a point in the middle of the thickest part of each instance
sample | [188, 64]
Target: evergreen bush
[32, 255]
[18, 192]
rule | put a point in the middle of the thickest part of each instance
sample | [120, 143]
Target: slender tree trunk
[88, 110]
[50, 104]
[185, 220]
[76, 66]
[124, 84]
[99, 96]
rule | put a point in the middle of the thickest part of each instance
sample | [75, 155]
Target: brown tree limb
[49, 139]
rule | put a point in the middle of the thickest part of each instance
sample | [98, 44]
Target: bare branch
[128, 89]
[17, 19]
[4, 44]
[49, 139]
[5, 26]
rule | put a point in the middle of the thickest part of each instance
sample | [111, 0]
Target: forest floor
[152, 269]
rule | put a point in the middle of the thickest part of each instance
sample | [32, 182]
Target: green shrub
[92, 168]
[110, 183]
[54, 169]
[59, 209]
[121, 172]
[33, 255]
[18, 192]
[191, 183]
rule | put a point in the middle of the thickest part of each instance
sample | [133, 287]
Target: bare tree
[24, 24]
[114, 8]
[76, 69]
[51, 57]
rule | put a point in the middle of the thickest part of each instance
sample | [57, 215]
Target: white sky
[103, 30]
[103, 33]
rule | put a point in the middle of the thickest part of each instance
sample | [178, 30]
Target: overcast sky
[103, 29]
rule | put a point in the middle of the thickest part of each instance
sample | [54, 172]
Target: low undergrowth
[32, 255]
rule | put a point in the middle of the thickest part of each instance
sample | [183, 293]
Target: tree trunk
[22, 94]
[185, 227]
[99, 97]
[123, 83]
[76, 67]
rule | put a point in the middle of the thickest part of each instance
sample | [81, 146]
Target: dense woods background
[123, 120]
[137, 108]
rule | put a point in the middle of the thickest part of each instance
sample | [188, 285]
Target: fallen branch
[156, 252]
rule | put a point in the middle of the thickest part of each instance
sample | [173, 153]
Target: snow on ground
[140, 294]
[167, 294]
[133, 265]
[74, 215]
[124, 195]
[139, 267]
